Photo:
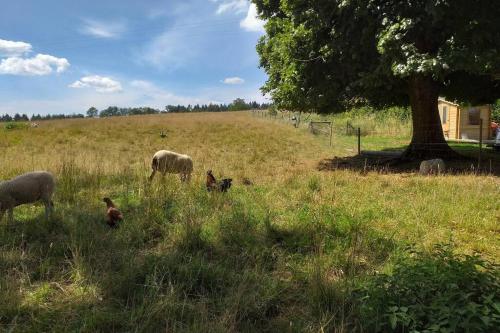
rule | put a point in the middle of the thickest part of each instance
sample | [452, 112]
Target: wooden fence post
[331, 132]
[480, 144]
[359, 140]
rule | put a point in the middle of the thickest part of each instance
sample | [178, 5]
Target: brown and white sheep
[168, 161]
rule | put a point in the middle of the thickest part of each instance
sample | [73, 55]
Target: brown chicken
[211, 182]
[113, 215]
[213, 185]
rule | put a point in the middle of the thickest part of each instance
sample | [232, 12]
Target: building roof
[440, 99]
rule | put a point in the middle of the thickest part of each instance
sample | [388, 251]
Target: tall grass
[288, 253]
[389, 122]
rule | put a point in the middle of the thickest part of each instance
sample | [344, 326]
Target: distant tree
[325, 55]
[238, 105]
[92, 112]
[110, 111]
[6, 118]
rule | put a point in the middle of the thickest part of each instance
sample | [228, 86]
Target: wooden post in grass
[480, 144]
[331, 132]
[359, 140]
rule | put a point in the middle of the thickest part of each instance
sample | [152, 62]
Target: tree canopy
[322, 55]
[92, 112]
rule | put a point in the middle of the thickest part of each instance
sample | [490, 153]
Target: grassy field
[298, 250]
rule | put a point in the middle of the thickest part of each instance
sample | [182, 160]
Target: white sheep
[27, 188]
[171, 162]
[435, 166]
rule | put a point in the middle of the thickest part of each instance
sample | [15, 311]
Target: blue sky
[61, 56]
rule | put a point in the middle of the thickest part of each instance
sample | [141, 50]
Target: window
[445, 115]
[474, 116]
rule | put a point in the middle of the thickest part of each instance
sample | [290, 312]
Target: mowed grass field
[285, 254]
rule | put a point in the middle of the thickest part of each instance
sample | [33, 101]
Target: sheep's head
[209, 172]
[107, 200]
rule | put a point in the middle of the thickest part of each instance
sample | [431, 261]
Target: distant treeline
[37, 117]
[238, 104]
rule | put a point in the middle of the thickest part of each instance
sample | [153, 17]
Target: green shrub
[15, 125]
[495, 115]
[437, 292]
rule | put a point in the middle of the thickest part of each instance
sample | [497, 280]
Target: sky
[59, 56]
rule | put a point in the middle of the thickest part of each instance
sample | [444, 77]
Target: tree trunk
[428, 139]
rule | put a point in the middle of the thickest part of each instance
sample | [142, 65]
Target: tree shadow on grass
[439, 291]
[388, 161]
[49, 274]
[242, 272]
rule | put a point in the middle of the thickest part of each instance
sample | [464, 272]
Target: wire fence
[475, 137]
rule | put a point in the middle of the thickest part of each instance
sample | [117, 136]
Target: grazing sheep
[435, 166]
[27, 188]
[113, 215]
[171, 162]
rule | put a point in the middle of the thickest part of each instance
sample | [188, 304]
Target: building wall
[471, 131]
[449, 124]
[458, 126]
[454, 118]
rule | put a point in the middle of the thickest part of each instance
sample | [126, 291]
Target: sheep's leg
[51, 208]
[48, 209]
[2, 212]
[188, 177]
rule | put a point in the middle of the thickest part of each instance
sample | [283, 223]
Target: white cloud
[41, 64]
[101, 84]
[233, 80]
[136, 93]
[112, 29]
[170, 50]
[11, 49]
[235, 6]
[251, 22]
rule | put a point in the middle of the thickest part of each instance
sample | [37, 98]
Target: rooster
[211, 182]
[213, 185]
[113, 215]
[224, 185]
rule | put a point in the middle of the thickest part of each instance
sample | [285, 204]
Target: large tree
[322, 55]
[92, 112]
